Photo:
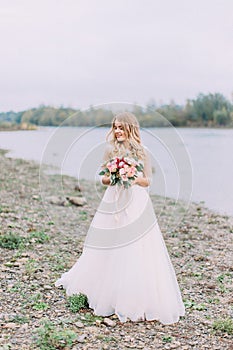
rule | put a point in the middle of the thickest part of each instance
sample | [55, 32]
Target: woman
[125, 267]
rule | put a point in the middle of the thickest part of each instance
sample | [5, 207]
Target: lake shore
[16, 127]
[29, 127]
[48, 237]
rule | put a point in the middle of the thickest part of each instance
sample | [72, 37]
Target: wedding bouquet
[122, 170]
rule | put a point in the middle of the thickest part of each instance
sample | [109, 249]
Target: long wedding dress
[125, 268]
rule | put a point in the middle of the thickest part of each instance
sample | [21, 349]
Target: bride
[125, 268]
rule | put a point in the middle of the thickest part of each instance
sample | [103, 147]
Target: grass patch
[16, 287]
[50, 223]
[89, 318]
[167, 339]
[57, 262]
[37, 303]
[223, 325]
[213, 301]
[12, 241]
[83, 215]
[51, 337]
[77, 302]
[106, 339]
[20, 319]
[38, 237]
[40, 306]
[191, 304]
[4, 209]
[198, 275]
[223, 280]
[31, 266]
[220, 278]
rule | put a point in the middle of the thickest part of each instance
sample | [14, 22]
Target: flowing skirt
[125, 268]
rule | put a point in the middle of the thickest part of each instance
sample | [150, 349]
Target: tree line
[207, 110]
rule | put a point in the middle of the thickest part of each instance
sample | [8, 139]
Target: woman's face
[119, 131]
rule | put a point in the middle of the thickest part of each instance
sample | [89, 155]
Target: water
[190, 164]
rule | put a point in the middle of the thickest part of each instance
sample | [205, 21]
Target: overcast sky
[80, 52]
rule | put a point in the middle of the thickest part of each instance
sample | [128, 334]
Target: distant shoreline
[17, 127]
[38, 127]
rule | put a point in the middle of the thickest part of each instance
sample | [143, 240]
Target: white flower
[122, 171]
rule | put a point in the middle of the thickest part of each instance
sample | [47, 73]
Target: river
[192, 164]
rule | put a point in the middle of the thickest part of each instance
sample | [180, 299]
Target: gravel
[199, 242]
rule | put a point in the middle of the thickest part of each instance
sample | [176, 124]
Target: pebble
[11, 325]
[24, 327]
[81, 338]
[105, 347]
[23, 260]
[79, 201]
[79, 324]
[108, 322]
[47, 287]
[98, 322]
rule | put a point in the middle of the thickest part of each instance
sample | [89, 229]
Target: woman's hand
[141, 181]
[106, 180]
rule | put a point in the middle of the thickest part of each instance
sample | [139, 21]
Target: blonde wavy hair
[131, 128]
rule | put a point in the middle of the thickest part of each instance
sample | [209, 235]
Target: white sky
[80, 52]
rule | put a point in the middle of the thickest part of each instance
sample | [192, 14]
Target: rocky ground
[42, 235]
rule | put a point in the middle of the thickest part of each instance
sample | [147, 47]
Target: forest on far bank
[207, 110]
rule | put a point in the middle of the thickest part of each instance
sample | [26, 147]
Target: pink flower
[131, 172]
[122, 171]
[112, 168]
[124, 177]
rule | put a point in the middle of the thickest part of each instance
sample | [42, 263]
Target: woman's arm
[146, 180]
[104, 178]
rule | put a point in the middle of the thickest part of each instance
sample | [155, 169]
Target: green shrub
[77, 302]
[222, 117]
[12, 241]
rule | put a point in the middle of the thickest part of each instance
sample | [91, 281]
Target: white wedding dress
[125, 268]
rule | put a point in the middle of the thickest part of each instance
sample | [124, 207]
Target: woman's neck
[124, 143]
